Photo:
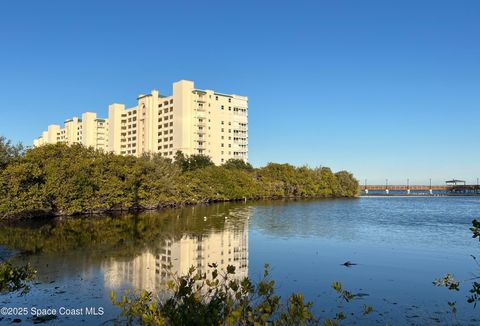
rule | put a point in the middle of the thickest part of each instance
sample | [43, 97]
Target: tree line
[64, 180]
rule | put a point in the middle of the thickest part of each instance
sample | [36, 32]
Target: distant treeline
[64, 180]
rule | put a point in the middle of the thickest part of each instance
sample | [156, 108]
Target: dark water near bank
[400, 244]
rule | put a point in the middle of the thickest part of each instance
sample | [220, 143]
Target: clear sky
[385, 89]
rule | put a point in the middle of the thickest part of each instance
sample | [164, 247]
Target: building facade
[190, 120]
[88, 130]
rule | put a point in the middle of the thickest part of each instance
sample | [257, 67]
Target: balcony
[200, 114]
[241, 142]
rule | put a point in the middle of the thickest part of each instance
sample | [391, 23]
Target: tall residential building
[89, 131]
[190, 120]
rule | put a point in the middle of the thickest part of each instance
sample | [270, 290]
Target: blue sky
[385, 89]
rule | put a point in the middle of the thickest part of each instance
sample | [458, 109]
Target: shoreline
[139, 209]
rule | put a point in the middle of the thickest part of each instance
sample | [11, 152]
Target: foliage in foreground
[60, 179]
[14, 279]
[449, 281]
[218, 298]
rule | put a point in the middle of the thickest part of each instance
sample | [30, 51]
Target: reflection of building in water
[149, 270]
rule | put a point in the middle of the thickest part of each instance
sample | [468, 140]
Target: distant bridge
[404, 187]
[453, 187]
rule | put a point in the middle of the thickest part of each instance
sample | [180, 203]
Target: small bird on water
[348, 263]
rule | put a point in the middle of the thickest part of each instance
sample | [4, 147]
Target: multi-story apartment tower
[190, 120]
[89, 131]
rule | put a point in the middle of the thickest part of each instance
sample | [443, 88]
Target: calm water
[399, 243]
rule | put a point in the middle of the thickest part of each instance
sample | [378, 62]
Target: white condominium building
[190, 120]
[89, 131]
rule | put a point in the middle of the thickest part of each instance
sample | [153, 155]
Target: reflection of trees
[88, 241]
[179, 251]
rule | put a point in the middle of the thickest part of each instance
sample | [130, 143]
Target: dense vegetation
[60, 179]
[221, 298]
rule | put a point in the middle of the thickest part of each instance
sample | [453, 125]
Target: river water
[399, 245]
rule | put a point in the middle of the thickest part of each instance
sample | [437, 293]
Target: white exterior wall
[190, 120]
[115, 133]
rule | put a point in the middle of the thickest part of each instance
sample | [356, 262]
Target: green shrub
[64, 180]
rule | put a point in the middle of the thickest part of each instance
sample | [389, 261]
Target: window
[229, 100]
[222, 107]
[216, 98]
[222, 145]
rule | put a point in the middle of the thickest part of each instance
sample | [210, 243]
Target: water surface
[399, 243]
